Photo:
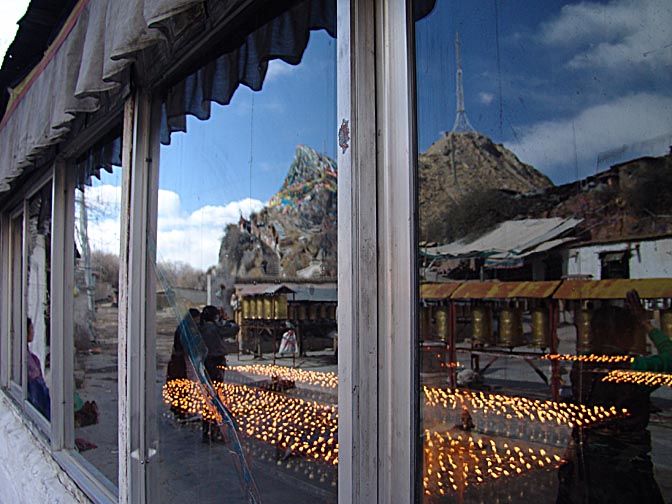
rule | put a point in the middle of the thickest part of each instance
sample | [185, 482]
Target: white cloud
[191, 238]
[614, 34]
[485, 98]
[194, 238]
[549, 145]
[277, 69]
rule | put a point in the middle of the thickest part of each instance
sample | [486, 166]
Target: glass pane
[544, 176]
[38, 301]
[247, 240]
[97, 246]
[18, 323]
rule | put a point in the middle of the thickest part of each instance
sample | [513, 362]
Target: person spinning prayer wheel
[611, 461]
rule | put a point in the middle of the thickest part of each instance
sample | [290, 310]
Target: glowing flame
[317, 378]
[648, 378]
[589, 358]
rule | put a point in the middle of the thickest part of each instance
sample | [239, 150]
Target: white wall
[648, 259]
[27, 472]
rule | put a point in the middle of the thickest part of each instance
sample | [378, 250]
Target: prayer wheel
[481, 324]
[268, 308]
[291, 311]
[301, 312]
[583, 339]
[332, 312]
[247, 309]
[510, 327]
[666, 322]
[314, 311]
[540, 335]
[323, 311]
[260, 308]
[280, 305]
[425, 323]
[442, 323]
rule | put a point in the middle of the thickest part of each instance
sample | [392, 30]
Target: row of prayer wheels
[510, 327]
[265, 307]
[510, 323]
[277, 308]
[312, 311]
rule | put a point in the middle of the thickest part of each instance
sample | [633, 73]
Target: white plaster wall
[654, 260]
[28, 474]
[648, 259]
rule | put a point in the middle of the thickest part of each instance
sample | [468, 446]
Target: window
[95, 328]
[29, 284]
[38, 304]
[543, 138]
[245, 336]
[17, 323]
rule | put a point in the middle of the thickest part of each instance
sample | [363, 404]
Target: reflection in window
[246, 293]
[18, 322]
[38, 301]
[96, 258]
[544, 216]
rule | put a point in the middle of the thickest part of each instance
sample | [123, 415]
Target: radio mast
[461, 124]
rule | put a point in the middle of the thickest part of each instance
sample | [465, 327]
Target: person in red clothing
[611, 462]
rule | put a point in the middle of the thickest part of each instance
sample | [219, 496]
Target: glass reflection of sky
[557, 83]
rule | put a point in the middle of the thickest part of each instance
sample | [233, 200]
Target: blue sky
[246, 148]
[233, 163]
[573, 80]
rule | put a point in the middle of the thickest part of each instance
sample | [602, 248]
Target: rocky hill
[461, 164]
[295, 235]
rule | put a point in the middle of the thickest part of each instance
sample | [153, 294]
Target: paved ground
[190, 470]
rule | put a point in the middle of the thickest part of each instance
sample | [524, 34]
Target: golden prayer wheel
[260, 307]
[481, 324]
[666, 322]
[324, 311]
[280, 303]
[291, 311]
[314, 311]
[442, 323]
[268, 307]
[540, 334]
[426, 323]
[510, 327]
[247, 309]
[583, 339]
[332, 311]
[301, 312]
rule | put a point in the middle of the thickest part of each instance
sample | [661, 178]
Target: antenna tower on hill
[461, 124]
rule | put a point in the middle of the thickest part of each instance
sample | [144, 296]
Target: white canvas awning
[89, 63]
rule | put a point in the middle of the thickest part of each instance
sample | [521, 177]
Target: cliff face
[295, 235]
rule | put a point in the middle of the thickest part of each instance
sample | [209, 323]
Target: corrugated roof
[505, 290]
[315, 294]
[648, 288]
[510, 239]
